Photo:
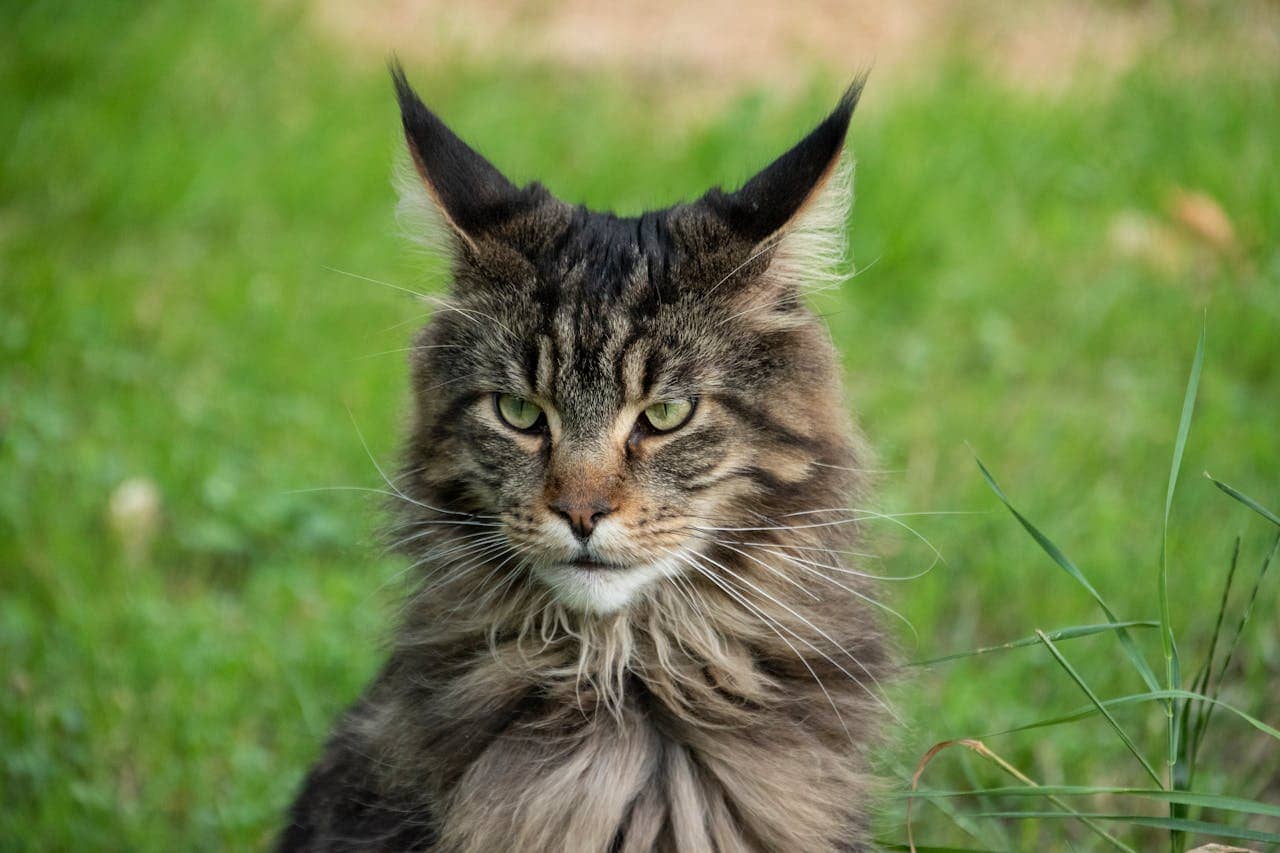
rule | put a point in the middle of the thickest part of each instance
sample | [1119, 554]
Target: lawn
[186, 191]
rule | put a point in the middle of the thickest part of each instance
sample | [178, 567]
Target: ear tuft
[813, 252]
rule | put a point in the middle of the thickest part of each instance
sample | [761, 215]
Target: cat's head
[602, 402]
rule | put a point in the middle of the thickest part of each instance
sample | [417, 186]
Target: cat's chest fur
[502, 755]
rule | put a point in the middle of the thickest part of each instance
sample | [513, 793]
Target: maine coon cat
[637, 623]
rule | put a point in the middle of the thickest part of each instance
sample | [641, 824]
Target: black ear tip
[404, 92]
[849, 101]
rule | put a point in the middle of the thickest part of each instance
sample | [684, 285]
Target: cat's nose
[582, 514]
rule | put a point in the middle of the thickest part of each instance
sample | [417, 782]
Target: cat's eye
[517, 412]
[669, 414]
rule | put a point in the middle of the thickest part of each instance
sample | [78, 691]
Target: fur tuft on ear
[812, 252]
[795, 210]
[418, 215]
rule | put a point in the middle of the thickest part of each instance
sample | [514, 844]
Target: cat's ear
[466, 191]
[793, 213]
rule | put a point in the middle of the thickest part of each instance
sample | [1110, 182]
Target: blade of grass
[1198, 827]
[982, 749]
[1235, 638]
[1126, 641]
[1192, 798]
[1069, 633]
[1173, 675]
[926, 848]
[1152, 696]
[1093, 697]
[1246, 500]
[1194, 735]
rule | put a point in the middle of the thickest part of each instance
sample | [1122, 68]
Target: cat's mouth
[589, 564]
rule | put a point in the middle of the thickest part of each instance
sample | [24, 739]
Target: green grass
[174, 182]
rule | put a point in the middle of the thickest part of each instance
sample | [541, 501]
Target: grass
[1187, 713]
[170, 199]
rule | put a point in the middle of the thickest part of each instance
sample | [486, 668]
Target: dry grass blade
[983, 750]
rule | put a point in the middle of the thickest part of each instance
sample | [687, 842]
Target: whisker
[765, 248]
[408, 349]
[884, 515]
[395, 494]
[387, 480]
[783, 549]
[818, 630]
[811, 567]
[371, 280]
[769, 623]
[859, 470]
[443, 304]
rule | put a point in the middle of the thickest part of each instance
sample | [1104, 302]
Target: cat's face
[602, 399]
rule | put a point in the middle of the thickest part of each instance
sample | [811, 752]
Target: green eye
[669, 414]
[517, 412]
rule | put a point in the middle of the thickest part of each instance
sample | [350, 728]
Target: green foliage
[1184, 731]
[178, 183]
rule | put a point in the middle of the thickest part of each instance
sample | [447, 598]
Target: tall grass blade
[1093, 697]
[1069, 633]
[1151, 696]
[1126, 641]
[1246, 500]
[1198, 827]
[1235, 637]
[1173, 675]
[1194, 734]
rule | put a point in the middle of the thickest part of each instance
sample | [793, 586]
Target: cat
[636, 625]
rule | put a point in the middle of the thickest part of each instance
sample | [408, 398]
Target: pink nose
[582, 514]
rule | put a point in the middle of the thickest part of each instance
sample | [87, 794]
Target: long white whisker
[371, 280]
[441, 561]
[766, 247]
[401, 496]
[387, 479]
[444, 305]
[812, 568]
[408, 349]
[784, 549]
[770, 624]
[819, 631]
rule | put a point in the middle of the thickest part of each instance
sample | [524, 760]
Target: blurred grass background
[1039, 245]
